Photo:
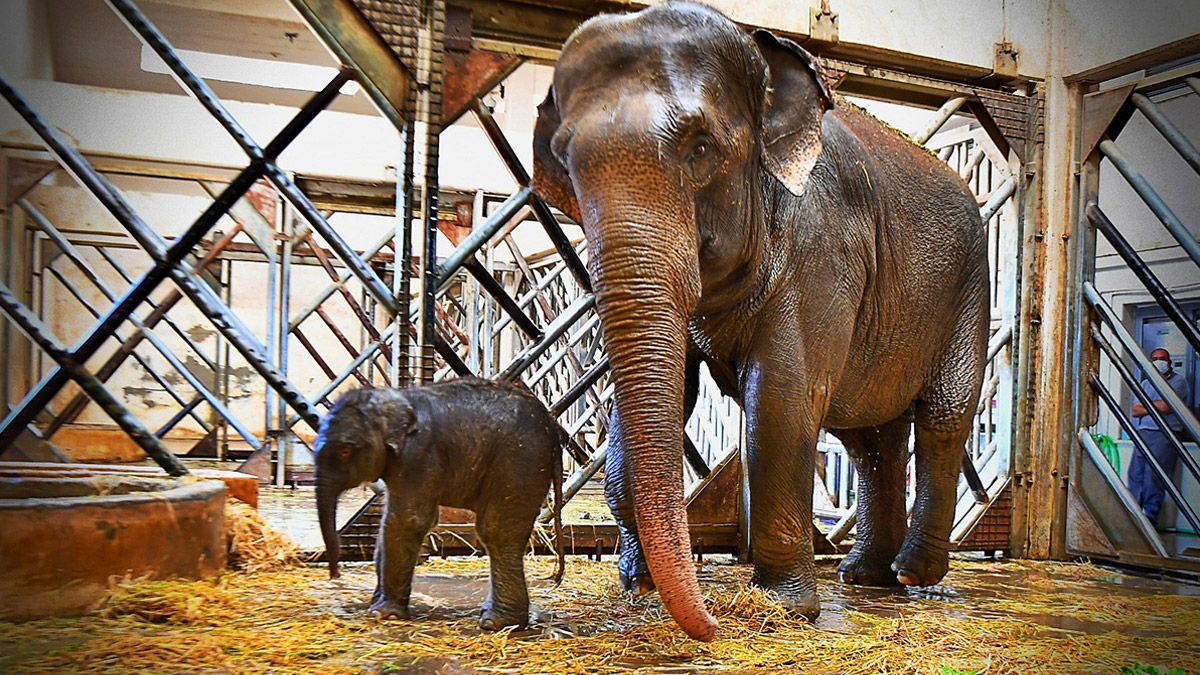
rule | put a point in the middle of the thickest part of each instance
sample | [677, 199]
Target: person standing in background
[1145, 485]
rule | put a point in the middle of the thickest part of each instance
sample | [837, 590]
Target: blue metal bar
[1155, 202]
[1143, 272]
[553, 332]
[1169, 131]
[1167, 394]
[482, 235]
[1127, 425]
[67, 363]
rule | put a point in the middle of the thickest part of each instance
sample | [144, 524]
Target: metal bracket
[1005, 62]
[823, 24]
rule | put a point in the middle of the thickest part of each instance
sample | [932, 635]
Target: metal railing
[1115, 344]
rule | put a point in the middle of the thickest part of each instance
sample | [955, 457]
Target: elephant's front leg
[782, 428]
[405, 524]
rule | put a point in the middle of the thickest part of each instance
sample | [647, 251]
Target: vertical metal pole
[36, 291]
[429, 106]
[227, 281]
[272, 319]
[283, 440]
[404, 315]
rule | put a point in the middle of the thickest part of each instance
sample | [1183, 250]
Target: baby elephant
[466, 443]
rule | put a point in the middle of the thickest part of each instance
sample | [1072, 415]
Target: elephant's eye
[703, 159]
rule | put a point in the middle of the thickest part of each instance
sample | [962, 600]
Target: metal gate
[1134, 269]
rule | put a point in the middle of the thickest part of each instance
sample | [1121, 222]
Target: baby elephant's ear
[794, 104]
[551, 181]
[402, 423]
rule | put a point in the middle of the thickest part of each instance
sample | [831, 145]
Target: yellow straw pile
[295, 620]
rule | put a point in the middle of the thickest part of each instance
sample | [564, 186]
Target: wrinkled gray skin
[828, 271]
[466, 443]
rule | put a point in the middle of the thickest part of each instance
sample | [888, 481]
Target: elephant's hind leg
[505, 532]
[944, 416]
[880, 457]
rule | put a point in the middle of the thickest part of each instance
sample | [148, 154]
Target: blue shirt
[1177, 382]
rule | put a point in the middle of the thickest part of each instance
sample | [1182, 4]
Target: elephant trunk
[327, 499]
[646, 283]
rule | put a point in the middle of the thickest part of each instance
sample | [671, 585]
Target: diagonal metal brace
[40, 334]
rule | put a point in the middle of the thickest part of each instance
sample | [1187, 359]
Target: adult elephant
[830, 273]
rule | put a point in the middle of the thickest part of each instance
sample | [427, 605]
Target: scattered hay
[181, 603]
[296, 621]
[255, 546]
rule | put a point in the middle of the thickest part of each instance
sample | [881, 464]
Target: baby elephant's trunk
[327, 516]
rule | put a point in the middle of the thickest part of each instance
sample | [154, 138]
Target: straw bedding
[1014, 617]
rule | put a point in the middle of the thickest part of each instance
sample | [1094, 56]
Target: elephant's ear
[795, 100]
[550, 179]
[401, 423]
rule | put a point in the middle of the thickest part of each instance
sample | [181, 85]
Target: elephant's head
[665, 134]
[353, 445]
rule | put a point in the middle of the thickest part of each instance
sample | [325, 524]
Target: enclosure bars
[202, 392]
[167, 260]
[1094, 216]
[69, 363]
[159, 313]
[196, 87]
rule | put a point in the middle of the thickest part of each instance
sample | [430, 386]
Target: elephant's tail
[559, 546]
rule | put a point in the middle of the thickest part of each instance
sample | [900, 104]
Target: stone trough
[67, 529]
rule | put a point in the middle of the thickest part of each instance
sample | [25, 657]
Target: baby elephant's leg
[405, 525]
[505, 534]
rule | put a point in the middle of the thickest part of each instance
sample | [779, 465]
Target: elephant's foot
[494, 617]
[638, 584]
[799, 598]
[388, 609]
[634, 574]
[860, 568]
[922, 562]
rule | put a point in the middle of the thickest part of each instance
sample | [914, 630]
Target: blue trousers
[1144, 484]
